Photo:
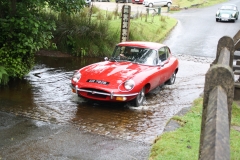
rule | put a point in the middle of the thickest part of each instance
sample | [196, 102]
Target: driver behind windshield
[127, 53]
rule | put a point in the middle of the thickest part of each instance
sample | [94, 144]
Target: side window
[167, 53]
[162, 54]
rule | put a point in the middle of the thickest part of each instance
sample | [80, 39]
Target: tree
[24, 29]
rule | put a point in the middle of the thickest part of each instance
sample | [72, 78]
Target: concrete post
[227, 42]
[216, 142]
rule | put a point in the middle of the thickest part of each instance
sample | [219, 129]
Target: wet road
[44, 94]
[197, 32]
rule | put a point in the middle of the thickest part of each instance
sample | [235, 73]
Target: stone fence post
[217, 103]
[236, 40]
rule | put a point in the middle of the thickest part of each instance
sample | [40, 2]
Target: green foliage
[3, 76]
[22, 37]
[84, 35]
[24, 29]
[65, 6]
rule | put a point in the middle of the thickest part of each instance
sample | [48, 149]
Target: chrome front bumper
[111, 95]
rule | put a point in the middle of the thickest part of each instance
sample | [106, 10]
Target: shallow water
[44, 94]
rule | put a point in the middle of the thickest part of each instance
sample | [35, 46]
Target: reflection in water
[45, 95]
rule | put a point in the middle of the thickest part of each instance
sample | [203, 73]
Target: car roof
[142, 44]
[229, 4]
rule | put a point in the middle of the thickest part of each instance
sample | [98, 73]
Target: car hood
[113, 71]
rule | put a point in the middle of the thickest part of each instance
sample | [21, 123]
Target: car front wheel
[150, 5]
[168, 4]
[138, 101]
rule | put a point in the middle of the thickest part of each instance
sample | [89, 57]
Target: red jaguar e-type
[134, 69]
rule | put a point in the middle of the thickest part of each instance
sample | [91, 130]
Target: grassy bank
[94, 32]
[184, 142]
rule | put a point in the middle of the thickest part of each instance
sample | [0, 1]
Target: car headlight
[76, 77]
[129, 84]
[233, 15]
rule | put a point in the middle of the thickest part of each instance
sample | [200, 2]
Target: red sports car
[134, 69]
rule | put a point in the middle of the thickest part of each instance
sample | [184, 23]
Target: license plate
[97, 81]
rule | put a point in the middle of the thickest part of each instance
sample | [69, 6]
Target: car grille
[95, 93]
[225, 15]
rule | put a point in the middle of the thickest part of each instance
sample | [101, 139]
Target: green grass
[183, 143]
[94, 32]
[157, 27]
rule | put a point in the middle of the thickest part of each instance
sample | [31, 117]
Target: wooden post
[236, 37]
[236, 40]
[216, 142]
[126, 13]
[219, 74]
[227, 42]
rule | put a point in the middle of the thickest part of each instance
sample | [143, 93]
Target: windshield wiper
[113, 59]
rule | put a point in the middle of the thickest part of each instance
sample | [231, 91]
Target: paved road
[22, 138]
[197, 32]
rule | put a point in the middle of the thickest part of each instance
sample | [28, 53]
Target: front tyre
[150, 5]
[169, 4]
[138, 101]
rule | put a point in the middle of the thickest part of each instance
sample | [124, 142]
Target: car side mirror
[105, 58]
[160, 63]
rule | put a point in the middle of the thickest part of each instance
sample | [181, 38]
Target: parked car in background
[134, 69]
[88, 3]
[155, 3]
[102, 0]
[124, 1]
[227, 12]
[137, 1]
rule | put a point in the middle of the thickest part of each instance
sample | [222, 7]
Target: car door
[164, 63]
[160, 2]
[163, 2]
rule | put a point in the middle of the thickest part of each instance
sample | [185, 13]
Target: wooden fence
[217, 101]
[236, 67]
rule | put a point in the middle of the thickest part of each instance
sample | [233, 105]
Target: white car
[88, 3]
[154, 3]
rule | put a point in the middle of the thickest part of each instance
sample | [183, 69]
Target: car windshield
[136, 55]
[228, 8]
